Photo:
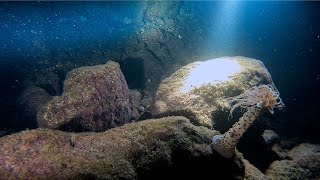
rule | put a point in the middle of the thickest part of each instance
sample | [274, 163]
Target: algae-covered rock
[285, 169]
[95, 98]
[135, 102]
[307, 156]
[198, 90]
[304, 164]
[252, 172]
[143, 150]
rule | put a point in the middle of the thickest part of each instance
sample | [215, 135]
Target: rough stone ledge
[159, 148]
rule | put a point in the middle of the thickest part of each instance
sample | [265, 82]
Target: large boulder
[307, 156]
[198, 90]
[303, 163]
[95, 98]
[159, 148]
[286, 169]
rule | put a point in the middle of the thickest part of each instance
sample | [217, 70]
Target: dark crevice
[134, 72]
[156, 57]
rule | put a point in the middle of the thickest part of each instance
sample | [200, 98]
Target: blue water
[61, 25]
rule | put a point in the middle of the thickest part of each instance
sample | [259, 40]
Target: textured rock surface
[252, 172]
[171, 35]
[46, 79]
[95, 98]
[270, 137]
[147, 149]
[135, 102]
[282, 147]
[198, 90]
[307, 156]
[285, 169]
[305, 164]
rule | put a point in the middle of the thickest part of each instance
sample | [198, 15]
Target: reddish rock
[135, 101]
[95, 98]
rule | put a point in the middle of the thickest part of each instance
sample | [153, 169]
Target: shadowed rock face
[166, 147]
[199, 90]
[29, 103]
[95, 98]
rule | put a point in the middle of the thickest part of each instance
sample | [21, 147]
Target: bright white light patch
[211, 72]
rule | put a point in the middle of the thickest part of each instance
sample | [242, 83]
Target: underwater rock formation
[30, 102]
[166, 147]
[198, 90]
[95, 98]
[171, 36]
[307, 156]
[285, 169]
[303, 163]
[270, 137]
[47, 79]
[252, 172]
[137, 109]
